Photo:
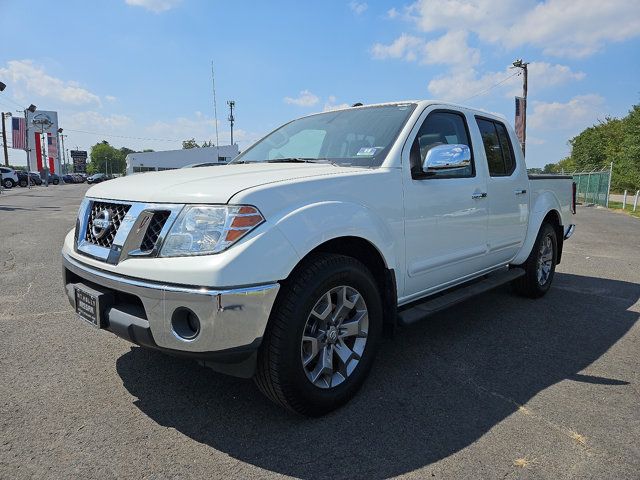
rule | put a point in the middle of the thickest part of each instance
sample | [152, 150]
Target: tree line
[614, 140]
[105, 158]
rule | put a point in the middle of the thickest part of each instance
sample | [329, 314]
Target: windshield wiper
[291, 160]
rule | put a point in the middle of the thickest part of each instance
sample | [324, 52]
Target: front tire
[23, 183]
[540, 267]
[322, 335]
[7, 183]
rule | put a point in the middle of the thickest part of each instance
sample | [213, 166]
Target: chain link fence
[593, 187]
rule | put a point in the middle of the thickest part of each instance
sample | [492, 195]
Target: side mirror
[446, 157]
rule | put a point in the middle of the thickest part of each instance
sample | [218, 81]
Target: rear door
[446, 213]
[507, 191]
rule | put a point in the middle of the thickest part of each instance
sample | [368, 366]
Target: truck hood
[206, 184]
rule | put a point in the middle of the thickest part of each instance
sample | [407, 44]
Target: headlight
[203, 229]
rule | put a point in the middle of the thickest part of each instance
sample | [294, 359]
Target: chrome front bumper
[229, 318]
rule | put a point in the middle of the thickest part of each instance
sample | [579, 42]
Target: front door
[445, 211]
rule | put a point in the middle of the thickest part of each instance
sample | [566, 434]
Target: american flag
[520, 112]
[52, 146]
[18, 133]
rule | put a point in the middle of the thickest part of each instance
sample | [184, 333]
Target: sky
[137, 73]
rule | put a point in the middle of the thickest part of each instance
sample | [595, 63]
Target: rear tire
[23, 183]
[540, 267]
[322, 335]
[8, 183]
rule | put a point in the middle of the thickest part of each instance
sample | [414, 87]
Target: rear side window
[497, 147]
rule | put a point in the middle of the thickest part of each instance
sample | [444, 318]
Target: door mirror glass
[447, 158]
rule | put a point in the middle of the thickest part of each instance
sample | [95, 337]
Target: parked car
[54, 178]
[25, 177]
[97, 178]
[287, 264]
[35, 178]
[9, 177]
[79, 178]
[68, 178]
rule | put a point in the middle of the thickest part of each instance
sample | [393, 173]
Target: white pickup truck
[289, 263]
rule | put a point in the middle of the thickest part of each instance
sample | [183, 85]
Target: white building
[172, 159]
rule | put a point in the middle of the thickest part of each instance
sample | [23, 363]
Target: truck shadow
[436, 387]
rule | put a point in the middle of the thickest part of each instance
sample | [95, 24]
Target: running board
[441, 302]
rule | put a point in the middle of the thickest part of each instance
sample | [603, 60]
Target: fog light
[185, 323]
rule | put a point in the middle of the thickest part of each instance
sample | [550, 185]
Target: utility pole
[63, 166]
[32, 108]
[523, 66]
[4, 140]
[232, 104]
[62, 151]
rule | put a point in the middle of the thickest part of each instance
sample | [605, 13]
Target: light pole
[61, 150]
[6, 154]
[523, 66]
[4, 138]
[31, 108]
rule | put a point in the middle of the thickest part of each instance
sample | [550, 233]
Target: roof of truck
[422, 103]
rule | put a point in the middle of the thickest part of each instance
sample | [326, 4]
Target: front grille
[116, 212]
[153, 231]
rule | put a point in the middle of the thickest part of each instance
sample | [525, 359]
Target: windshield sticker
[367, 152]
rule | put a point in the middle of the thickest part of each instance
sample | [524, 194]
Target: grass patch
[629, 209]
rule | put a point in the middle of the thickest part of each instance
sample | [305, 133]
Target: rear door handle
[520, 192]
[478, 195]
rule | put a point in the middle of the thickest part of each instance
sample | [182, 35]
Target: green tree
[191, 143]
[107, 159]
[614, 140]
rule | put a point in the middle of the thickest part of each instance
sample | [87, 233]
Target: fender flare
[545, 203]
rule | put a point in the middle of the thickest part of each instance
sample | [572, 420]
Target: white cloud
[200, 127]
[331, 104]
[559, 27]
[156, 6]
[579, 112]
[29, 79]
[91, 120]
[110, 98]
[405, 47]
[358, 7]
[392, 13]
[450, 49]
[460, 85]
[305, 99]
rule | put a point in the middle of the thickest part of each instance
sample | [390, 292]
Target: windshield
[353, 137]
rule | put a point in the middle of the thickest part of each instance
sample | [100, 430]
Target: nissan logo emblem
[101, 224]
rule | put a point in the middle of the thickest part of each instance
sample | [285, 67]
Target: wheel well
[553, 218]
[365, 252]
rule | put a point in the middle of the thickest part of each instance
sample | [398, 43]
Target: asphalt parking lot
[497, 387]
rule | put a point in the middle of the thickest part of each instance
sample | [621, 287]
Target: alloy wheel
[334, 337]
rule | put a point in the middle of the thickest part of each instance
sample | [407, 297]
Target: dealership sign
[79, 160]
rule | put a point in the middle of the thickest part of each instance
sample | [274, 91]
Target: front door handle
[478, 195]
[520, 192]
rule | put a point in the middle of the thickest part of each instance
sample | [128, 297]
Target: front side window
[497, 147]
[440, 128]
[352, 137]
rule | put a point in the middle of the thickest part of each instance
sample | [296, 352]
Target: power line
[491, 87]
[14, 102]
